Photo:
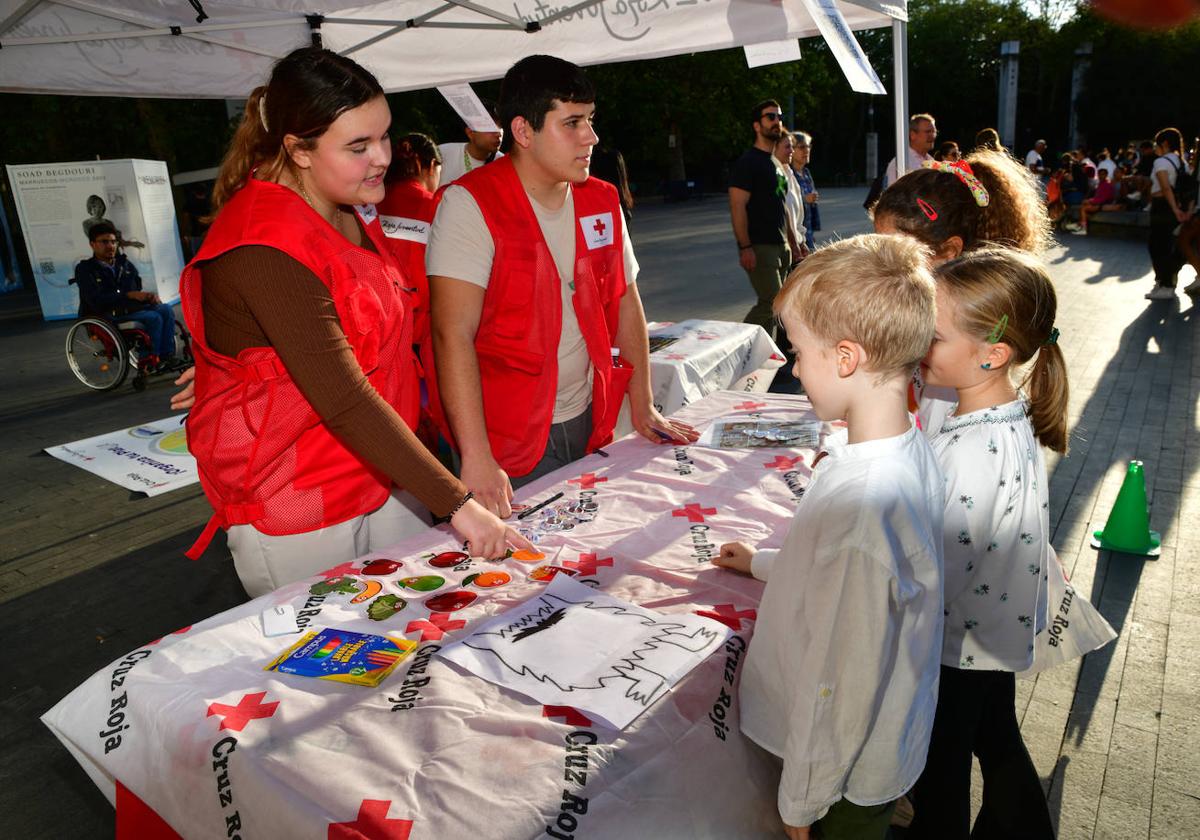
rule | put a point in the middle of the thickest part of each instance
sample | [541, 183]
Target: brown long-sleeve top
[255, 296]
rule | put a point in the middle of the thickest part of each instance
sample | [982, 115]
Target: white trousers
[264, 562]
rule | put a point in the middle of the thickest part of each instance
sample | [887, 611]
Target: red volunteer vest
[519, 329]
[405, 215]
[264, 456]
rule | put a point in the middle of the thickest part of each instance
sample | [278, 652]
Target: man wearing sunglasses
[758, 188]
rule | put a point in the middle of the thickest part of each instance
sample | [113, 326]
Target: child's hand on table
[735, 556]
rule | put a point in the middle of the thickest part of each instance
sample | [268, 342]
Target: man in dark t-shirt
[757, 189]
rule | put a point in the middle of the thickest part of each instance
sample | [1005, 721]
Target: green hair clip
[1053, 339]
[997, 332]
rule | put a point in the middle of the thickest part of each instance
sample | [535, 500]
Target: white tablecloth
[218, 747]
[710, 356]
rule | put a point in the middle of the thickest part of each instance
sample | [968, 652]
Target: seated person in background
[482, 147]
[110, 287]
[841, 678]
[1105, 198]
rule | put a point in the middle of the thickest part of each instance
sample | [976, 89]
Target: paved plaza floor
[89, 571]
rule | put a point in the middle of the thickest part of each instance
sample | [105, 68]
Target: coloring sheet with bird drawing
[575, 646]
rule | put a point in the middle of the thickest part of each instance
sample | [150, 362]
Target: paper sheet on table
[575, 646]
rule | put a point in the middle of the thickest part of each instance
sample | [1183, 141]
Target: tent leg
[900, 94]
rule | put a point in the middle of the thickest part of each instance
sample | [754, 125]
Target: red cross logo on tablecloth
[570, 715]
[347, 568]
[587, 564]
[783, 463]
[178, 632]
[250, 707]
[775, 357]
[694, 512]
[587, 481]
[438, 625]
[676, 357]
[749, 406]
[372, 823]
[706, 336]
[599, 227]
[728, 615]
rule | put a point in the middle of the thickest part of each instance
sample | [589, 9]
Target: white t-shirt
[1165, 163]
[997, 537]
[1034, 158]
[460, 246]
[1110, 166]
[841, 677]
[914, 162]
[456, 161]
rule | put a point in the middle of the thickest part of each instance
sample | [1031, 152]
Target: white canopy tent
[224, 48]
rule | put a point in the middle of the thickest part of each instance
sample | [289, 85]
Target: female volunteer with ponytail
[306, 386]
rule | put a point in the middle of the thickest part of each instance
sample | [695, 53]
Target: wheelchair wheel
[97, 354]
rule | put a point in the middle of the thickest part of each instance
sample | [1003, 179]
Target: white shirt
[915, 161]
[794, 201]
[1110, 166]
[460, 246]
[1165, 163]
[997, 537]
[841, 677]
[456, 161]
[1033, 158]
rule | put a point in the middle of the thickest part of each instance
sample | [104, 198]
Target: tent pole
[900, 94]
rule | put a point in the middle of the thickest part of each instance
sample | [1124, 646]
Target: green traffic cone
[1128, 526]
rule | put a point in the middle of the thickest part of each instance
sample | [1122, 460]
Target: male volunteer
[922, 134]
[532, 279]
[482, 147]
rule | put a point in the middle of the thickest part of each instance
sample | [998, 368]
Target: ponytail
[412, 154]
[1046, 386]
[251, 146]
[1016, 215]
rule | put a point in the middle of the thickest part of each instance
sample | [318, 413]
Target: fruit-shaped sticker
[527, 556]
[545, 574]
[344, 584]
[487, 580]
[374, 587]
[385, 606]
[381, 567]
[450, 601]
[422, 583]
[448, 559]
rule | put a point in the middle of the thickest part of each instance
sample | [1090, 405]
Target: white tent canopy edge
[155, 47]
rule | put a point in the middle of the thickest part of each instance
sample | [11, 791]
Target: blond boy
[841, 676]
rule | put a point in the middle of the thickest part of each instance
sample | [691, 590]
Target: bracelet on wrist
[460, 504]
[745, 247]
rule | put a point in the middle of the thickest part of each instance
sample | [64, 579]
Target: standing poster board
[58, 203]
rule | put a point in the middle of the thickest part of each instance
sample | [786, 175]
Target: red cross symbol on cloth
[728, 615]
[587, 481]
[250, 707]
[775, 357]
[694, 512]
[587, 564]
[749, 406]
[783, 463]
[347, 568]
[599, 227]
[436, 627]
[178, 632]
[372, 823]
[570, 715]
[676, 357]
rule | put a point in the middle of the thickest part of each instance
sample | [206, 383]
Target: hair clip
[929, 212]
[262, 111]
[1053, 339]
[962, 170]
[997, 332]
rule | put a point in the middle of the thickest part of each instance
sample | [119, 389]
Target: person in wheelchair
[111, 288]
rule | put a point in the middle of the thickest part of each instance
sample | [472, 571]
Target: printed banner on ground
[151, 458]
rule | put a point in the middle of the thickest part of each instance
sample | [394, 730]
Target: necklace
[337, 222]
[468, 164]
